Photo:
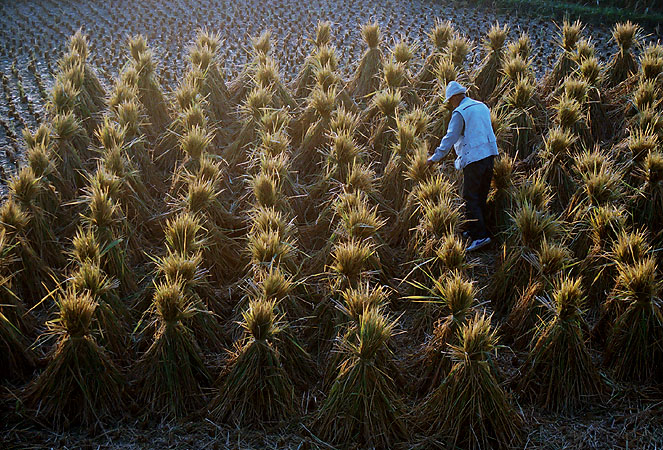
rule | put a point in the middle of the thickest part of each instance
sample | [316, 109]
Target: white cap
[454, 88]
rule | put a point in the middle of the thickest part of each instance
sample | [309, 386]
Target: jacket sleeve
[454, 132]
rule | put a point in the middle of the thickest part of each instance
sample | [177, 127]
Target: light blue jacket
[471, 134]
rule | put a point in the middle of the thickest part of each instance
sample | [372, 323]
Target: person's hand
[430, 162]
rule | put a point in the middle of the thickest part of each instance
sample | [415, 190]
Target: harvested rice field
[33, 36]
[219, 230]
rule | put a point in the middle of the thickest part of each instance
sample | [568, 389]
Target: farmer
[471, 133]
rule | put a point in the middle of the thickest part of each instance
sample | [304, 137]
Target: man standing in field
[471, 133]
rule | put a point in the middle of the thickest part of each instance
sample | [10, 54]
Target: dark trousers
[476, 185]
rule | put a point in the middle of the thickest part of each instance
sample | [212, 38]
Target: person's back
[478, 139]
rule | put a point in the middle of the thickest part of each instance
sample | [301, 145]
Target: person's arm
[454, 131]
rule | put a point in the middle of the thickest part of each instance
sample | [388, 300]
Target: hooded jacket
[470, 133]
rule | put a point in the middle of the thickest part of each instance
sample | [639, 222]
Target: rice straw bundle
[440, 35]
[469, 407]
[129, 115]
[17, 324]
[353, 261]
[633, 349]
[486, 76]
[29, 192]
[427, 188]
[436, 107]
[590, 70]
[388, 103]
[104, 216]
[92, 95]
[267, 76]
[627, 250]
[394, 181]
[402, 54]
[252, 109]
[205, 59]
[255, 388]
[261, 47]
[343, 152]
[366, 79]
[647, 200]
[531, 227]
[308, 158]
[522, 47]
[622, 64]
[437, 220]
[549, 264]
[80, 385]
[500, 200]
[458, 48]
[203, 199]
[32, 274]
[362, 405]
[557, 157]
[70, 143]
[150, 94]
[171, 373]
[569, 35]
[304, 82]
[514, 69]
[519, 104]
[116, 160]
[599, 183]
[559, 372]
[651, 62]
[456, 296]
[112, 317]
[39, 156]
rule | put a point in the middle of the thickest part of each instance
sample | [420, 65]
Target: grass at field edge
[586, 13]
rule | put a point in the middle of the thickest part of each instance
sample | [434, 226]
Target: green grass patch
[586, 13]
